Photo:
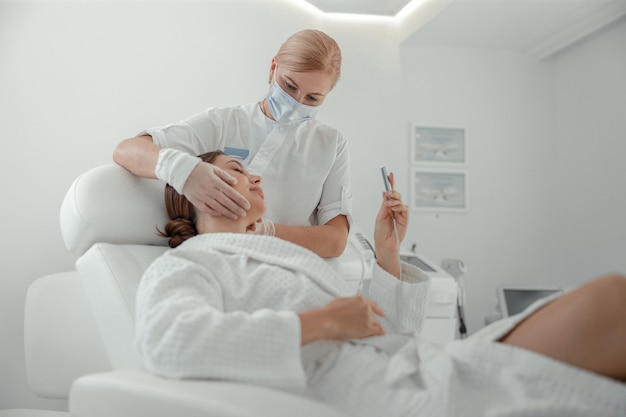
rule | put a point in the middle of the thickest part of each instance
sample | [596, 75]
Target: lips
[259, 191]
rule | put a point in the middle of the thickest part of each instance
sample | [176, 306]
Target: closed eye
[236, 166]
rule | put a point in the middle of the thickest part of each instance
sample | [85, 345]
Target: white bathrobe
[224, 306]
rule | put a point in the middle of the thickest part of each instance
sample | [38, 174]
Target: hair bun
[178, 230]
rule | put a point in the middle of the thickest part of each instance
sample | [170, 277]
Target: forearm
[138, 155]
[389, 260]
[328, 241]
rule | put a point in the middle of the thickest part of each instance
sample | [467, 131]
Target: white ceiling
[536, 27]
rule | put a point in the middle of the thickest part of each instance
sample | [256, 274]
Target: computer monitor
[514, 299]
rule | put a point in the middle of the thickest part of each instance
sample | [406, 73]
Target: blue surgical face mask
[286, 109]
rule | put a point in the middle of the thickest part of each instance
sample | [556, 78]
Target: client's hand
[386, 241]
[343, 318]
[209, 189]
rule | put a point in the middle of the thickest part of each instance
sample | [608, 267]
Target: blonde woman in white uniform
[304, 163]
[233, 306]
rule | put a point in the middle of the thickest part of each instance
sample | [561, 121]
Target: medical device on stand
[456, 268]
[515, 298]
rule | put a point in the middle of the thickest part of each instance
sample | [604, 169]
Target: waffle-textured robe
[224, 306]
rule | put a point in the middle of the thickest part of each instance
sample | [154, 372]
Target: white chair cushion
[110, 275]
[133, 393]
[109, 204]
[61, 339]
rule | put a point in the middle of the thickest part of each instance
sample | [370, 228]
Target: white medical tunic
[304, 167]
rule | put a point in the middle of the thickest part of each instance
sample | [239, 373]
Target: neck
[265, 108]
[211, 224]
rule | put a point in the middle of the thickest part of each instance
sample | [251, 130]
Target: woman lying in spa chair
[231, 305]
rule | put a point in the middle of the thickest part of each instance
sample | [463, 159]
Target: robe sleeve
[183, 330]
[404, 302]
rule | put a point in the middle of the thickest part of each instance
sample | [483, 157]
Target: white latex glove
[263, 227]
[206, 186]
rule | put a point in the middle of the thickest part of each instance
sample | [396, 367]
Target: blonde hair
[311, 50]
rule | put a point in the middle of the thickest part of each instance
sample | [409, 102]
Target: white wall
[591, 142]
[506, 103]
[76, 78]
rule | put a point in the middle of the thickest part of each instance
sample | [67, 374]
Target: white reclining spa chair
[109, 219]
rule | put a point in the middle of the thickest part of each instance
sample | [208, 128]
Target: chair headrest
[109, 204]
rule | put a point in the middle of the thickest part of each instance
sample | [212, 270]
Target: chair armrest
[141, 394]
[61, 340]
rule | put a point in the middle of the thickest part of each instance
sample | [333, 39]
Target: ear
[272, 69]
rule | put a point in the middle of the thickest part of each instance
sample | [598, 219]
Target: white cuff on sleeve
[174, 167]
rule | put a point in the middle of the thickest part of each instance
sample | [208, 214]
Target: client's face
[249, 186]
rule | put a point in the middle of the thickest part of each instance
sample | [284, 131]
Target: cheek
[257, 209]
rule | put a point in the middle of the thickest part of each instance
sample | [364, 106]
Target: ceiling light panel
[370, 7]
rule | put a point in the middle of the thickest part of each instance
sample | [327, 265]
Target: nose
[301, 98]
[255, 179]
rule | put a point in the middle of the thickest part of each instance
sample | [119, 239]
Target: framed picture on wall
[438, 145]
[439, 190]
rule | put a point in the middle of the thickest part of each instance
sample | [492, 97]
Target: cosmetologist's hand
[263, 226]
[209, 189]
